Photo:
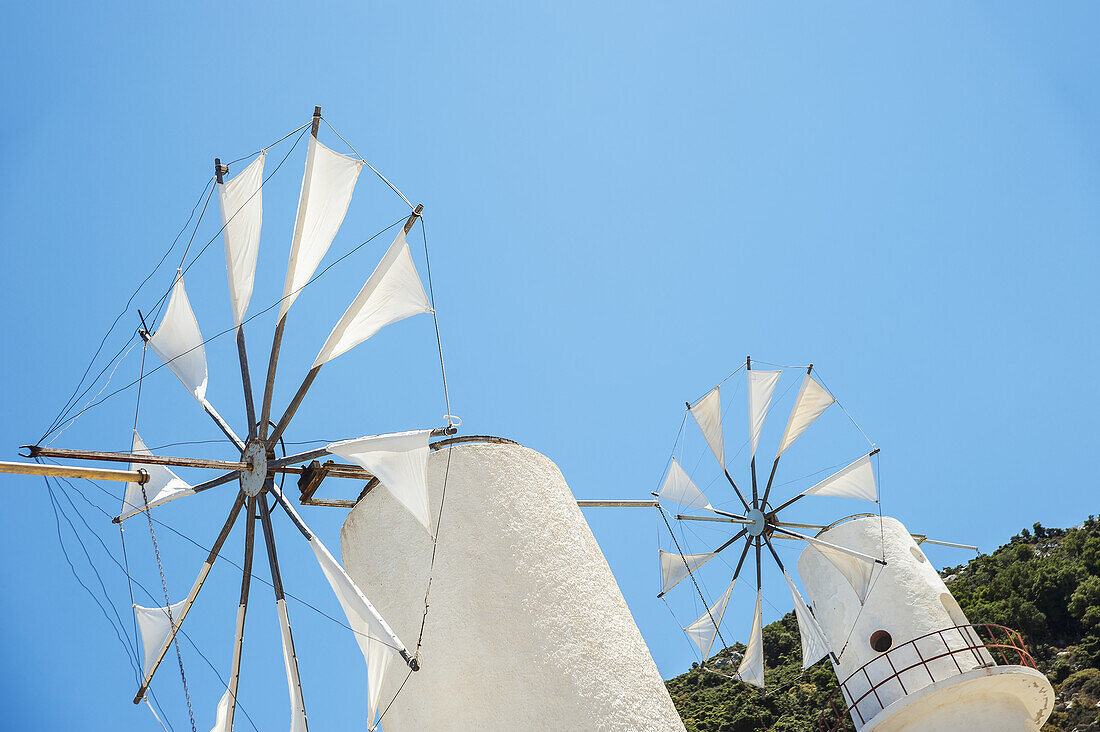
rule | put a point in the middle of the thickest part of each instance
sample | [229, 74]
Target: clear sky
[623, 200]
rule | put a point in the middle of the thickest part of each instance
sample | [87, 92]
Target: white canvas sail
[242, 210]
[679, 488]
[856, 480]
[814, 644]
[674, 567]
[703, 631]
[811, 402]
[707, 413]
[392, 292]
[751, 670]
[363, 619]
[761, 387]
[857, 570]
[327, 186]
[399, 461]
[163, 485]
[178, 342]
[221, 722]
[155, 627]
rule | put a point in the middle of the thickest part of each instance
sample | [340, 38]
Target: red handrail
[1002, 640]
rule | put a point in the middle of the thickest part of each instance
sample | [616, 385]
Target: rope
[435, 319]
[105, 385]
[233, 329]
[435, 545]
[692, 575]
[143, 588]
[363, 160]
[124, 310]
[265, 149]
[375, 725]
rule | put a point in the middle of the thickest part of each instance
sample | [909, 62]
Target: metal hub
[252, 481]
[756, 528]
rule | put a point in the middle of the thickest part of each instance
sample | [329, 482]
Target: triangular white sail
[178, 342]
[221, 723]
[674, 567]
[703, 631]
[814, 644]
[856, 480]
[811, 402]
[163, 485]
[364, 621]
[857, 570]
[294, 685]
[155, 627]
[761, 387]
[327, 186]
[679, 488]
[242, 216]
[708, 415]
[751, 670]
[392, 292]
[399, 461]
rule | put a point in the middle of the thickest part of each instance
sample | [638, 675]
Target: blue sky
[623, 201]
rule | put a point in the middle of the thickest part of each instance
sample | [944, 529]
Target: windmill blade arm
[246, 383]
[736, 490]
[720, 519]
[920, 539]
[771, 478]
[837, 547]
[191, 596]
[292, 408]
[222, 424]
[242, 608]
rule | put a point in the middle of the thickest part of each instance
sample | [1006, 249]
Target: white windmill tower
[906, 656]
[912, 662]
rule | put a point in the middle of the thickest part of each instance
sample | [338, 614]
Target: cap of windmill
[909, 659]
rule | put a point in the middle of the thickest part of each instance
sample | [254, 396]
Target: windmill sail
[221, 722]
[811, 402]
[679, 488]
[364, 621]
[814, 644]
[294, 684]
[707, 413]
[674, 567]
[163, 485]
[703, 631]
[392, 292]
[399, 461]
[858, 570]
[178, 342]
[856, 480]
[327, 186]
[761, 387]
[155, 627]
[751, 670]
[242, 210]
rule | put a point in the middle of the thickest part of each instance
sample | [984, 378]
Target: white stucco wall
[527, 628]
[909, 600]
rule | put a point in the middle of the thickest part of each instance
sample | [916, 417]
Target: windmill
[396, 461]
[759, 523]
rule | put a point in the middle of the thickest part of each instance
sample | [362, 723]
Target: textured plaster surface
[908, 599]
[527, 628]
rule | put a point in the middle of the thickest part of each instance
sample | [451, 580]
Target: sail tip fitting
[32, 451]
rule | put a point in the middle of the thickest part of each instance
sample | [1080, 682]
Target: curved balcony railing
[918, 663]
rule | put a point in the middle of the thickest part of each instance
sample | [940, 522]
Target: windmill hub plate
[756, 528]
[252, 481]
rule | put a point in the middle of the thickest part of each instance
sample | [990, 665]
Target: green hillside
[1044, 583]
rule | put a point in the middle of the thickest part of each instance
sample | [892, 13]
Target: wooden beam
[129, 457]
[67, 471]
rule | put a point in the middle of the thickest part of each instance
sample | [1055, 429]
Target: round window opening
[881, 641]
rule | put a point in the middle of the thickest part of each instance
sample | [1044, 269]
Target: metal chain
[160, 564]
